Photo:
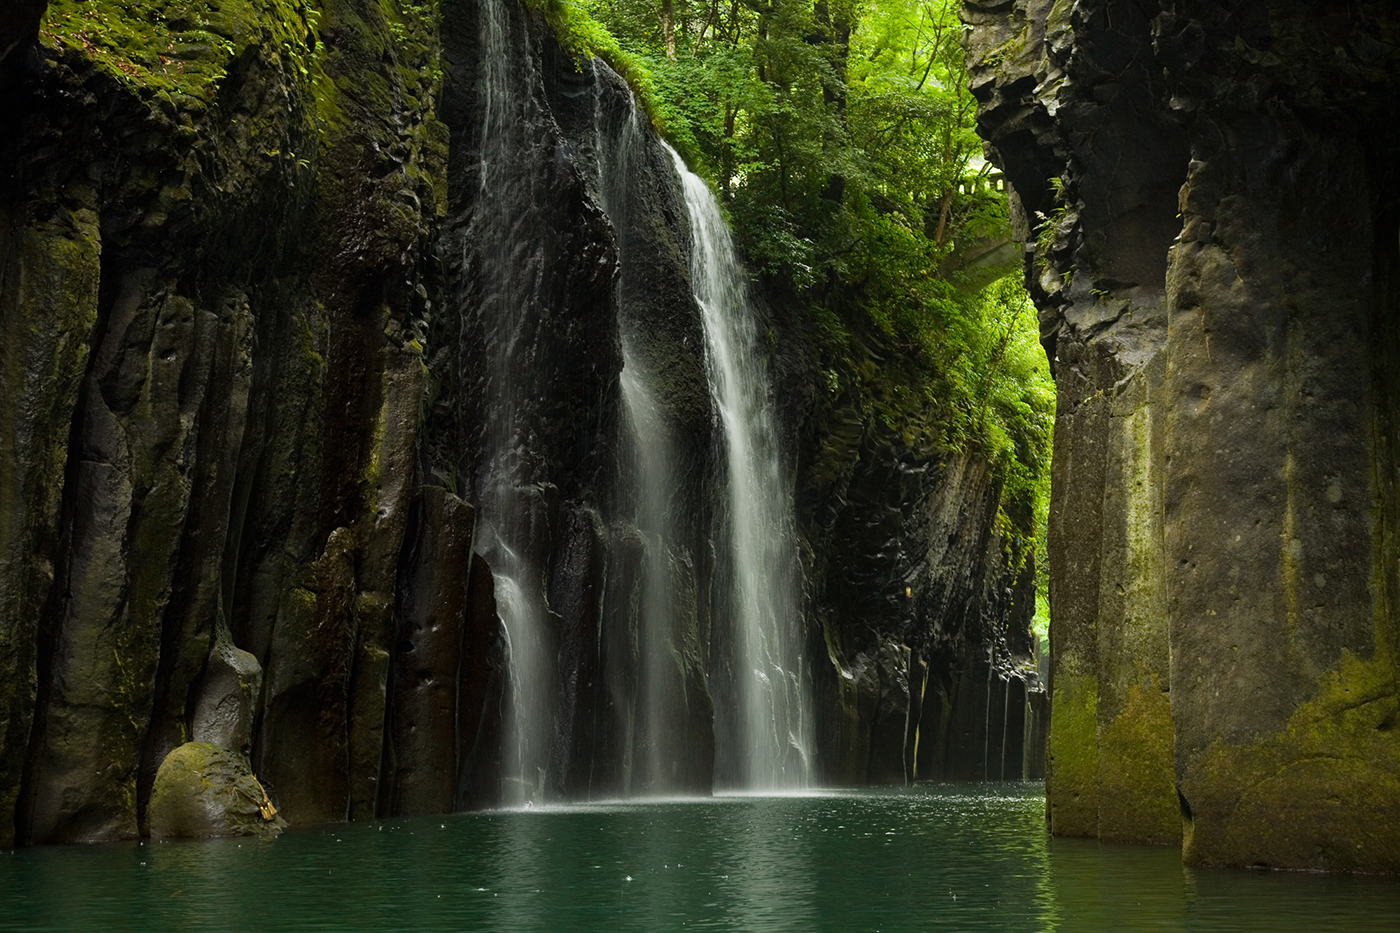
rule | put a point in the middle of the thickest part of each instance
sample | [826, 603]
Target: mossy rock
[205, 790]
[178, 51]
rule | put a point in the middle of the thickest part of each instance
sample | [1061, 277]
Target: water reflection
[944, 858]
[766, 879]
[1292, 902]
[1105, 887]
[1097, 887]
[518, 866]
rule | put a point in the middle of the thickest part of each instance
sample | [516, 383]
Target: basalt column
[1094, 169]
[1212, 240]
[1280, 499]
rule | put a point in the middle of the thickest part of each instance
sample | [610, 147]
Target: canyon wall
[248, 398]
[1209, 203]
[920, 596]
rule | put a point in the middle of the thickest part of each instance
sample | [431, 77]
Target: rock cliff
[250, 391]
[920, 595]
[1207, 194]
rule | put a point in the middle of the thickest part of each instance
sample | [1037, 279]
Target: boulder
[204, 790]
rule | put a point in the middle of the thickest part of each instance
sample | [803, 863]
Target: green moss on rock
[205, 790]
[1072, 766]
[1323, 793]
[1137, 791]
[177, 49]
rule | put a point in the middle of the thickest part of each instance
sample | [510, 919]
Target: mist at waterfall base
[950, 857]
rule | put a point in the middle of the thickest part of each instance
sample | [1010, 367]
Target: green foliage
[1047, 231]
[583, 36]
[840, 136]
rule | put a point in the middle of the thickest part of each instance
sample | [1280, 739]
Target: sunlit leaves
[840, 136]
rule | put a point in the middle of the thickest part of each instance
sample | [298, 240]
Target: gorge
[389, 413]
[384, 404]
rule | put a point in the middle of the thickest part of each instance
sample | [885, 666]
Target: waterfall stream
[656, 726]
[509, 285]
[772, 748]
[761, 723]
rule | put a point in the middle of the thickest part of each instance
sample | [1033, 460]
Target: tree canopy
[839, 135]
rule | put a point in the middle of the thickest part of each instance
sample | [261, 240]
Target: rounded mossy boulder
[205, 790]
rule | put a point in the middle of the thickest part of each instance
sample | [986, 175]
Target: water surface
[947, 857]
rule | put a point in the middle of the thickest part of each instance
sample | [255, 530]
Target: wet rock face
[223, 713]
[923, 618]
[245, 417]
[1215, 268]
[204, 294]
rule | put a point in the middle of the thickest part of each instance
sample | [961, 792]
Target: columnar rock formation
[244, 394]
[1208, 195]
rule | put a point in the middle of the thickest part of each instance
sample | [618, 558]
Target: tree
[839, 135]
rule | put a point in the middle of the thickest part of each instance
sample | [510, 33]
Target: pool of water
[947, 857]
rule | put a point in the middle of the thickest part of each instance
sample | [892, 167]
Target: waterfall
[772, 745]
[762, 723]
[508, 282]
[655, 611]
[657, 721]
[759, 732]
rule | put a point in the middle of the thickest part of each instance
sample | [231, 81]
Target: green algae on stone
[1137, 791]
[1323, 793]
[204, 791]
[1137, 799]
[1072, 759]
[178, 49]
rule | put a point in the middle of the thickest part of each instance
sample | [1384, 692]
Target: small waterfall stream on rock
[771, 750]
[648, 769]
[509, 282]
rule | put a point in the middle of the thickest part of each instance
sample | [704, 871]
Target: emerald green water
[950, 857]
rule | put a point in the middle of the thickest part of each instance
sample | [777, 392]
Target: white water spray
[772, 748]
[657, 727]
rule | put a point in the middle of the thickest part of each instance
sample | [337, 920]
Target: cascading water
[658, 725]
[508, 284]
[652, 461]
[649, 771]
[664, 737]
[771, 750]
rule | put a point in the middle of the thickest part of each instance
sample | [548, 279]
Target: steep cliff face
[268, 335]
[1212, 224]
[215, 229]
[920, 594]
